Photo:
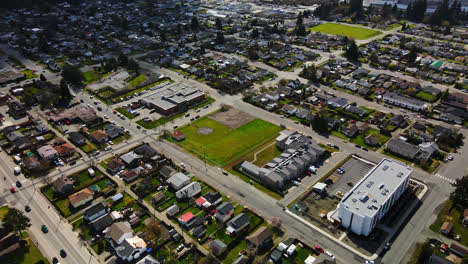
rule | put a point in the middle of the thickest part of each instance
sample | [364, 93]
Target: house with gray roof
[189, 191]
[178, 181]
[237, 224]
[131, 159]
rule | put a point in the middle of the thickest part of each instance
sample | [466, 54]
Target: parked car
[357, 146]
[44, 229]
[63, 254]
[27, 208]
[319, 249]
[18, 184]
[328, 253]
[12, 190]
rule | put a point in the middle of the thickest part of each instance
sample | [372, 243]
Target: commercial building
[299, 152]
[173, 99]
[368, 201]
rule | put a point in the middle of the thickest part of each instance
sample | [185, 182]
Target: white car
[91, 97]
[110, 142]
[328, 253]
[450, 157]
[107, 148]
[106, 117]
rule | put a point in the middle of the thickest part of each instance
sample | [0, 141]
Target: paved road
[60, 235]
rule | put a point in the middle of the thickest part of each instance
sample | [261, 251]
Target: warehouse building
[369, 200]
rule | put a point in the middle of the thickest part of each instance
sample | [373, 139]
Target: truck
[91, 172]
[17, 170]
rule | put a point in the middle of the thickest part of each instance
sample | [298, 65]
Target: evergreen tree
[133, 66]
[219, 38]
[355, 6]
[255, 33]
[460, 195]
[374, 58]
[300, 28]
[352, 52]
[219, 24]
[123, 60]
[72, 74]
[16, 221]
[194, 24]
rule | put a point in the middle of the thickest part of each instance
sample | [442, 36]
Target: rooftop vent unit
[363, 197]
[354, 200]
[374, 200]
[400, 174]
[381, 186]
[385, 168]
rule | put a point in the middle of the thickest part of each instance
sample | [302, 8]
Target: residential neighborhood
[233, 131]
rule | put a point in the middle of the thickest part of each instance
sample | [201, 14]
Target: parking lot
[354, 169]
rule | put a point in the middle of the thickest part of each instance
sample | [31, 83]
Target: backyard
[224, 145]
[27, 253]
[345, 30]
[452, 214]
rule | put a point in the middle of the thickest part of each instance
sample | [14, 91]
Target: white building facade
[369, 200]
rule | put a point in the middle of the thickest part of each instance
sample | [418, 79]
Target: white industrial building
[369, 200]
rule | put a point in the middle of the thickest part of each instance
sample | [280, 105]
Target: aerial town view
[233, 131]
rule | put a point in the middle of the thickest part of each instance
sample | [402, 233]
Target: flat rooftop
[376, 187]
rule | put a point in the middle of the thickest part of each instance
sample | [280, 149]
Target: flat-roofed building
[368, 201]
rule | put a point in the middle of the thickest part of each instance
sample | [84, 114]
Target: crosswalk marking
[445, 178]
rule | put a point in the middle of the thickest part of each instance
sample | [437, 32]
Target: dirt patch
[204, 130]
[232, 118]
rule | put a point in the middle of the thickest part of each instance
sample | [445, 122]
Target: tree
[355, 6]
[255, 33]
[425, 254]
[194, 24]
[412, 56]
[123, 60]
[310, 72]
[460, 195]
[320, 124]
[252, 53]
[219, 38]
[72, 74]
[42, 77]
[219, 24]
[133, 66]
[154, 230]
[300, 28]
[374, 58]
[64, 91]
[16, 221]
[352, 52]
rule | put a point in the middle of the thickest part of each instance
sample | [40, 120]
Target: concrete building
[173, 98]
[368, 201]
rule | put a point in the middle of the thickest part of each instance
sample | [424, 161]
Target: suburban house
[217, 247]
[350, 131]
[199, 231]
[260, 239]
[337, 102]
[114, 131]
[148, 260]
[95, 211]
[77, 138]
[402, 148]
[102, 223]
[31, 162]
[166, 172]
[80, 198]
[47, 152]
[178, 181]
[186, 219]
[189, 191]
[224, 211]
[115, 165]
[131, 159]
[446, 228]
[209, 199]
[289, 109]
[157, 197]
[458, 250]
[132, 175]
[237, 224]
[178, 135]
[65, 150]
[131, 248]
[372, 140]
[99, 137]
[172, 210]
[148, 153]
[118, 232]
[465, 217]
[63, 185]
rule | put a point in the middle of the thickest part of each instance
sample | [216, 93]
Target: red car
[212, 212]
[319, 249]
[197, 116]
[12, 190]
[115, 112]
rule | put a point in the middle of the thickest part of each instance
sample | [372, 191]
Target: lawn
[125, 113]
[84, 229]
[426, 96]
[138, 80]
[3, 211]
[88, 147]
[225, 145]
[126, 200]
[454, 216]
[29, 74]
[158, 122]
[27, 254]
[48, 190]
[85, 179]
[234, 253]
[64, 206]
[345, 30]
[360, 139]
[92, 76]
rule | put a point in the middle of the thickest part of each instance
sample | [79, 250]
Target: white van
[17, 170]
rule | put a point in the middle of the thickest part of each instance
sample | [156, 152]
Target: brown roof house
[99, 137]
[82, 197]
[63, 185]
[446, 228]
[31, 162]
[65, 150]
[261, 239]
[115, 165]
[178, 135]
[372, 140]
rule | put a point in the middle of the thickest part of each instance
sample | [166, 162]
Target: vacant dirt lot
[232, 118]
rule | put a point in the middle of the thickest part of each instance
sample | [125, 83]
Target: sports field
[224, 144]
[345, 30]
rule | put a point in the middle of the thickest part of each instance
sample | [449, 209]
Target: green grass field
[27, 254]
[344, 30]
[454, 216]
[225, 145]
[138, 80]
